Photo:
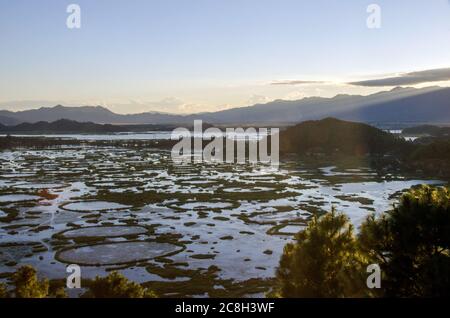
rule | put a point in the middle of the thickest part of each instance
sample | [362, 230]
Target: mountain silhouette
[425, 105]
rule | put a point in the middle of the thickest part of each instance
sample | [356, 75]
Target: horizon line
[106, 107]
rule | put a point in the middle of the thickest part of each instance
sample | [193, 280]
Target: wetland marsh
[192, 230]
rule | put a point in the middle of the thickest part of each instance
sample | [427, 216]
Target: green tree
[411, 244]
[323, 262]
[3, 291]
[58, 292]
[27, 285]
[115, 285]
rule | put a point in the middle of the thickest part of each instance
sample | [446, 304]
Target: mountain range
[424, 105]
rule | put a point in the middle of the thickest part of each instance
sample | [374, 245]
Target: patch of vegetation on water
[277, 229]
[10, 214]
[12, 253]
[203, 256]
[207, 283]
[351, 198]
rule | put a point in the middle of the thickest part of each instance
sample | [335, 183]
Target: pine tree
[323, 262]
[411, 244]
[3, 291]
[27, 285]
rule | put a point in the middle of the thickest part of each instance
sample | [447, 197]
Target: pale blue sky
[201, 55]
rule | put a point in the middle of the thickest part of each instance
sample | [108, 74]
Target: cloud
[435, 75]
[165, 105]
[258, 99]
[296, 82]
[295, 95]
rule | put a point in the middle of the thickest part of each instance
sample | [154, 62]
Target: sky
[185, 56]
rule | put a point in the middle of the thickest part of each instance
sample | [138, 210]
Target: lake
[193, 230]
[150, 135]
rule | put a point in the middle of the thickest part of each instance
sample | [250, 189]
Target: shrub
[115, 285]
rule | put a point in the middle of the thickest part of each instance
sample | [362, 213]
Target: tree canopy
[323, 261]
[115, 285]
[411, 245]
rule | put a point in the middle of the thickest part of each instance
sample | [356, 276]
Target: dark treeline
[70, 126]
[10, 142]
[430, 130]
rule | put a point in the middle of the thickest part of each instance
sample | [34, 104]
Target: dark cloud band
[442, 74]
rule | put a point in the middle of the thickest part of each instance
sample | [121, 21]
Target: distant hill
[430, 104]
[49, 114]
[334, 136]
[430, 130]
[60, 126]
[333, 139]
[432, 158]
[5, 120]
[426, 105]
[66, 126]
[96, 114]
